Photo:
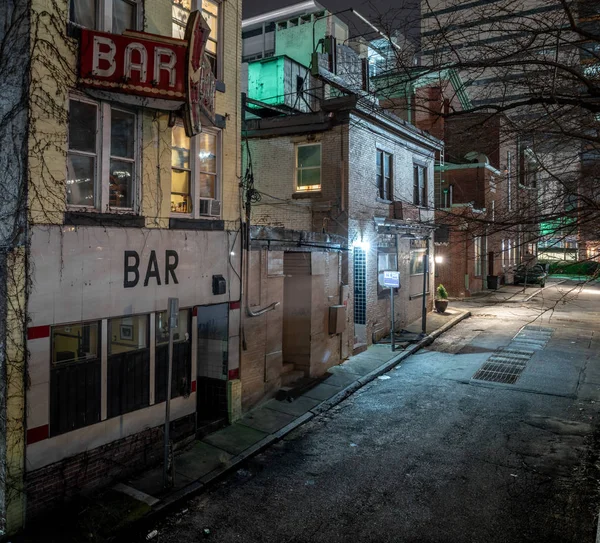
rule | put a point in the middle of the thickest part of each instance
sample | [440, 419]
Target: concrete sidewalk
[223, 451]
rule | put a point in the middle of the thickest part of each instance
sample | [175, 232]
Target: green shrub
[574, 268]
[442, 293]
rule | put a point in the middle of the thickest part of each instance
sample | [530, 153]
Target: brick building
[129, 196]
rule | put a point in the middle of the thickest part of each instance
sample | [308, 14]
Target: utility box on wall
[337, 319]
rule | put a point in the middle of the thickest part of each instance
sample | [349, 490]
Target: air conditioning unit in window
[209, 207]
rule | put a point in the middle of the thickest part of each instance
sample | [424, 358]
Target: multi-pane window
[76, 359]
[83, 153]
[123, 16]
[308, 167]
[420, 185]
[114, 16]
[384, 175]
[91, 182]
[207, 165]
[128, 366]
[181, 172]
[210, 11]
[194, 169]
[122, 158]
[75, 376]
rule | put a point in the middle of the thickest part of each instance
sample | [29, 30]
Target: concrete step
[291, 377]
[287, 367]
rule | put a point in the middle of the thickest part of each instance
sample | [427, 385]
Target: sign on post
[391, 279]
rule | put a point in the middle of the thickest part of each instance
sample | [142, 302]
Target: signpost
[391, 280]
[173, 321]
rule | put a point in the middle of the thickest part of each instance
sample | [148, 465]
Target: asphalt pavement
[490, 434]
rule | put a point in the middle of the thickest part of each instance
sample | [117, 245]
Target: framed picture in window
[126, 332]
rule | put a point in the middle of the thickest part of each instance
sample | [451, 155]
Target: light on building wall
[361, 244]
[439, 259]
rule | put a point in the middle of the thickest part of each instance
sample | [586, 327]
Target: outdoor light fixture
[361, 244]
[439, 259]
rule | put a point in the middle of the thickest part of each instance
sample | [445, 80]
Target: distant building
[346, 193]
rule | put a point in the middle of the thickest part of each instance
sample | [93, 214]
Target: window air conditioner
[209, 207]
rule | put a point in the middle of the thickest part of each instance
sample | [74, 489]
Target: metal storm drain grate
[507, 364]
[533, 336]
[503, 367]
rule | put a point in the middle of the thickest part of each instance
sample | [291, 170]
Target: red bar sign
[138, 63]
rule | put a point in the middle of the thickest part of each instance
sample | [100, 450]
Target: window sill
[94, 218]
[307, 194]
[419, 295]
[180, 223]
[383, 201]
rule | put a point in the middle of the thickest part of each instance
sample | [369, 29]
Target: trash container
[493, 282]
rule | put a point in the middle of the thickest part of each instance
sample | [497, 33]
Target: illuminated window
[195, 173]
[384, 175]
[114, 16]
[181, 173]
[308, 167]
[86, 174]
[210, 11]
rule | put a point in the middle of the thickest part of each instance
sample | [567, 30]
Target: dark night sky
[385, 14]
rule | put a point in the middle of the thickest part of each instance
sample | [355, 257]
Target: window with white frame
[477, 253]
[114, 16]
[419, 185]
[194, 170]
[210, 11]
[504, 253]
[308, 167]
[93, 182]
[384, 175]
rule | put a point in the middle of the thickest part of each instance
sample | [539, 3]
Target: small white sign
[391, 279]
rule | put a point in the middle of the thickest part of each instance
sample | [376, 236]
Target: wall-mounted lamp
[361, 244]
[439, 259]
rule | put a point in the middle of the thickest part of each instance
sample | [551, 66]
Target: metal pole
[392, 317]
[172, 315]
[425, 281]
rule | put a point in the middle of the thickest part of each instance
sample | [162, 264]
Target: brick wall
[49, 487]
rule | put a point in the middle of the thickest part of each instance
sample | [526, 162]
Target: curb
[197, 486]
[544, 288]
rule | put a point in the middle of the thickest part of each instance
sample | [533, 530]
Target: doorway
[213, 358]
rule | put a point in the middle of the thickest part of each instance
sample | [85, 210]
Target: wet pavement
[427, 453]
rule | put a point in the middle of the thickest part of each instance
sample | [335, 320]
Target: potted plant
[441, 298]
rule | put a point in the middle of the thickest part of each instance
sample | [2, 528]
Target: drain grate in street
[503, 367]
[507, 364]
[535, 337]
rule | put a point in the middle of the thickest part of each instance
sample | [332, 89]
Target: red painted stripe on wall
[38, 332]
[37, 434]
[234, 374]
[193, 386]
[234, 305]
